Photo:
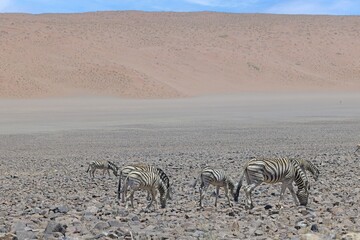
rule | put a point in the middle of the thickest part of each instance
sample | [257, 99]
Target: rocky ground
[47, 194]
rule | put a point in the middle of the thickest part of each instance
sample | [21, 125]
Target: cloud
[222, 3]
[315, 7]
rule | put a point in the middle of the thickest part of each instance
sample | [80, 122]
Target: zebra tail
[238, 187]
[88, 168]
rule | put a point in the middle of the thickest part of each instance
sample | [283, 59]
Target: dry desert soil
[46, 146]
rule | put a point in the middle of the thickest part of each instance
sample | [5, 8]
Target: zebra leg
[152, 198]
[89, 170]
[148, 198]
[283, 188]
[168, 193]
[124, 192]
[217, 194]
[227, 195]
[248, 190]
[126, 187]
[203, 190]
[119, 188]
[131, 197]
[93, 172]
[291, 189]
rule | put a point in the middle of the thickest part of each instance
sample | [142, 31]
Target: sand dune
[165, 55]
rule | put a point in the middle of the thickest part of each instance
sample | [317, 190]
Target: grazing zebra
[146, 180]
[357, 148]
[308, 166]
[127, 169]
[276, 170]
[217, 178]
[104, 165]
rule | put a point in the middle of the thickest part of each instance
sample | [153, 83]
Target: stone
[92, 210]
[7, 236]
[310, 236]
[258, 232]
[61, 209]
[101, 225]
[53, 226]
[113, 235]
[300, 224]
[115, 223]
[314, 228]
[18, 226]
[24, 235]
[3, 229]
[135, 218]
[268, 206]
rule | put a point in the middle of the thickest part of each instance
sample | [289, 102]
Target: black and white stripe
[145, 180]
[276, 170]
[135, 167]
[104, 165]
[217, 178]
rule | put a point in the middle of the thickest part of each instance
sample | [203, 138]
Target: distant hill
[165, 55]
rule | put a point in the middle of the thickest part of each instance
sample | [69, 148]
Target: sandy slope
[161, 55]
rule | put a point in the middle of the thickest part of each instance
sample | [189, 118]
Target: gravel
[45, 189]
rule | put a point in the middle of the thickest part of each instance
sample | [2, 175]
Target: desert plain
[180, 91]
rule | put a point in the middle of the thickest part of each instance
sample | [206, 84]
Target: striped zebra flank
[306, 165]
[217, 178]
[286, 171]
[145, 180]
[104, 165]
[124, 172]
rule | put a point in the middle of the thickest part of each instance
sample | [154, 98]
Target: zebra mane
[309, 166]
[113, 166]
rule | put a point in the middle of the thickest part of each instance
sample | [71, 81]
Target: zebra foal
[104, 165]
[283, 170]
[149, 181]
[124, 172]
[217, 178]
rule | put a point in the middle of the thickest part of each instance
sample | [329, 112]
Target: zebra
[104, 165]
[275, 170]
[127, 169]
[217, 178]
[150, 181]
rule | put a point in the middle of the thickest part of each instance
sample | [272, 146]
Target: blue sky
[331, 7]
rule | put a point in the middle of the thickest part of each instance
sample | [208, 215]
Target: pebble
[68, 200]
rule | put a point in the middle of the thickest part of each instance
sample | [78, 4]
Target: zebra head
[303, 194]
